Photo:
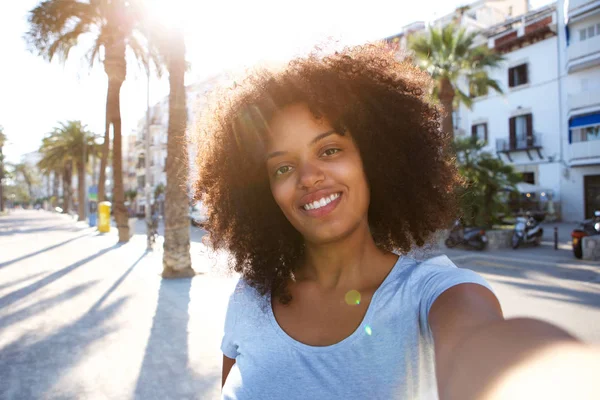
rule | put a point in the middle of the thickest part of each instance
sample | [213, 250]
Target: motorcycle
[589, 227]
[474, 238]
[528, 230]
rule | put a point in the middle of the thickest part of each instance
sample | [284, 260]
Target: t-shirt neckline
[360, 330]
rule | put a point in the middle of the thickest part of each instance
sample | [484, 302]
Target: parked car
[589, 227]
[198, 214]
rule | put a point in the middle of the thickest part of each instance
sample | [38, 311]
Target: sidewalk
[82, 317]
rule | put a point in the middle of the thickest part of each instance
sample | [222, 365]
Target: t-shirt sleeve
[229, 346]
[439, 274]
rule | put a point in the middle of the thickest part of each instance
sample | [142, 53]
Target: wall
[496, 109]
[573, 192]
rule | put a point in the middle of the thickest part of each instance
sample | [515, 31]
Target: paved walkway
[84, 318]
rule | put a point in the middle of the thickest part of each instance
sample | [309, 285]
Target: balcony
[585, 99]
[577, 7]
[582, 153]
[583, 54]
[521, 143]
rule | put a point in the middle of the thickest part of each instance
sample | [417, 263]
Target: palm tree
[64, 148]
[176, 256]
[2, 142]
[450, 54]
[56, 27]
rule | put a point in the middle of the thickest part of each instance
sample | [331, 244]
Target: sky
[227, 34]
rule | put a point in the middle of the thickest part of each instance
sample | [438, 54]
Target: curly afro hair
[386, 107]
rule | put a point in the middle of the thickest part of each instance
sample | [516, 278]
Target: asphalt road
[84, 318]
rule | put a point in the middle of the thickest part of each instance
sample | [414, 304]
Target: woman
[317, 179]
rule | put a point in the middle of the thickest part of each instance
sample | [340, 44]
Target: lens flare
[352, 297]
[368, 330]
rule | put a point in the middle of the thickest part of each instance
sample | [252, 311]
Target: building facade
[521, 124]
[159, 123]
[579, 21]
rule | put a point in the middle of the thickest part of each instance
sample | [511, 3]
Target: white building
[521, 125]
[159, 122]
[579, 23]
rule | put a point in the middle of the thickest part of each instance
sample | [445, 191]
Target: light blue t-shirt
[389, 356]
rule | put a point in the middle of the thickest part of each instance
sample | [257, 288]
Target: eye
[283, 170]
[330, 152]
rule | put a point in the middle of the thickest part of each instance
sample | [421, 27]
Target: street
[84, 318]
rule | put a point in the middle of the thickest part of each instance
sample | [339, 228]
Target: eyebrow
[315, 140]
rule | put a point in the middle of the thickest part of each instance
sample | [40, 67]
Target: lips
[320, 203]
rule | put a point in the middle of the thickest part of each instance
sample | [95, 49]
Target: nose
[310, 175]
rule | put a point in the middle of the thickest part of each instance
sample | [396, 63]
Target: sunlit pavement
[84, 318]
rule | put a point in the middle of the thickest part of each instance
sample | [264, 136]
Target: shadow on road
[32, 366]
[21, 280]
[165, 371]
[35, 253]
[17, 295]
[544, 290]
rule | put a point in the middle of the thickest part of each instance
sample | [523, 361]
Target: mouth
[322, 206]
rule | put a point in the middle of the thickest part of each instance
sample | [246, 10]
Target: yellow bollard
[104, 217]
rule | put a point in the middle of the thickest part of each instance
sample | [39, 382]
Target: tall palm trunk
[81, 190]
[446, 96]
[55, 186]
[115, 68]
[67, 187]
[105, 152]
[176, 258]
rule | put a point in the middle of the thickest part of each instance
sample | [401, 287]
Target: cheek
[281, 194]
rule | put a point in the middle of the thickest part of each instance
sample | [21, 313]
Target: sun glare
[171, 13]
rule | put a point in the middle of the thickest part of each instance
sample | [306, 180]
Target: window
[480, 131]
[589, 32]
[518, 75]
[586, 134]
[528, 177]
[521, 132]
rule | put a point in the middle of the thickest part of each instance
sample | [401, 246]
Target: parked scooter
[474, 238]
[589, 227]
[528, 230]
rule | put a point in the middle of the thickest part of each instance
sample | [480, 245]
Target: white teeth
[322, 202]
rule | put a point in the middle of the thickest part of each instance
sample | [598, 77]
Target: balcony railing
[520, 143]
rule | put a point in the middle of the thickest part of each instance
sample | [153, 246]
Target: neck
[346, 262]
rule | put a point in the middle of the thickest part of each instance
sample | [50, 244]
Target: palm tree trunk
[55, 186]
[81, 190]
[67, 177]
[116, 69]
[105, 152]
[446, 95]
[176, 256]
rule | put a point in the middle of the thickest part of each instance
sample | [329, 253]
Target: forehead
[295, 123]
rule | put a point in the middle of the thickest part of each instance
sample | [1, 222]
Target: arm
[480, 355]
[227, 364]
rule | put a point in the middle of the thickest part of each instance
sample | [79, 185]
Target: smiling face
[316, 176]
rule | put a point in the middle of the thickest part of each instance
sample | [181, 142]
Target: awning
[584, 120]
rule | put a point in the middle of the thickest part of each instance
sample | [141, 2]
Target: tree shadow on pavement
[165, 372]
[530, 283]
[35, 253]
[21, 280]
[32, 365]
[17, 295]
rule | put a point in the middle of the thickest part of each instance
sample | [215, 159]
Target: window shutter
[525, 74]
[473, 130]
[529, 121]
[530, 139]
[513, 132]
[485, 130]
[511, 77]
